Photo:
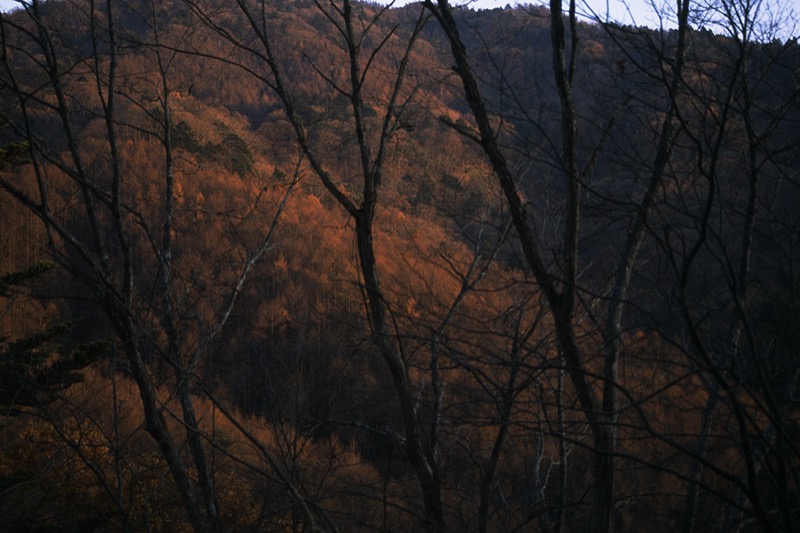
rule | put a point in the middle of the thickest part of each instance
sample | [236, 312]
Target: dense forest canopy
[321, 265]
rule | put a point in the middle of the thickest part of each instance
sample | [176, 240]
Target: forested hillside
[311, 265]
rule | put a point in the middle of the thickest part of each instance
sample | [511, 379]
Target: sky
[634, 12]
[642, 12]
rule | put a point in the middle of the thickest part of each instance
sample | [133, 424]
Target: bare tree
[586, 319]
[45, 80]
[652, 210]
